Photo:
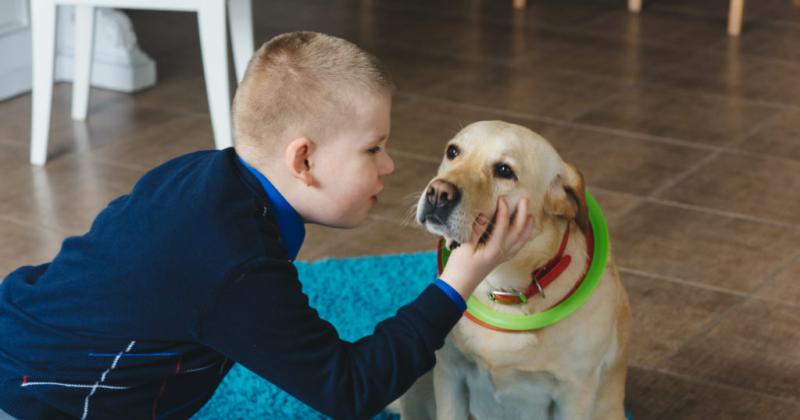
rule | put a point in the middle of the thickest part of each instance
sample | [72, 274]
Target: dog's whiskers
[409, 218]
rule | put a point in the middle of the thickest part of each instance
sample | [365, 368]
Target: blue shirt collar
[290, 224]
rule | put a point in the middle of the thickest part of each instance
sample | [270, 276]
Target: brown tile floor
[689, 139]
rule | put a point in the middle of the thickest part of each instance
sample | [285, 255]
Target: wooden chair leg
[635, 5]
[735, 17]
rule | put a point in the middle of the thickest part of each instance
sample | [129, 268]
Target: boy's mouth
[375, 196]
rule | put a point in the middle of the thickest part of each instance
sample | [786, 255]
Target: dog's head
[489, 159]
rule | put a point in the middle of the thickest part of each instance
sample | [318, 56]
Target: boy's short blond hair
[300, 84]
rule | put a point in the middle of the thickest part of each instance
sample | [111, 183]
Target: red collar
[540, 278]
[546, 275]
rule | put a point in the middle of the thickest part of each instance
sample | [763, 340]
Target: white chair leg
[214, 46]
[240, 21]
[84, 43]
[635, 5]
[43, 34]
[735, 12]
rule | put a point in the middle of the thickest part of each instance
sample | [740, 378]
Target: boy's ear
[297, 157]
[567, 197]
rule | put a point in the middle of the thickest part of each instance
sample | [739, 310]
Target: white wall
[15, 48]
[117, 64]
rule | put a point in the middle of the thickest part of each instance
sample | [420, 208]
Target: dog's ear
[566, 197]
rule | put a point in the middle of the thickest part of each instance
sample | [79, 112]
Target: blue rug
[354, 294]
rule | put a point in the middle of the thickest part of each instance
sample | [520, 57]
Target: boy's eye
[452, 152]
[374, 150]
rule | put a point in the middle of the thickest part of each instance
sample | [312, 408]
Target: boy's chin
[344, 222]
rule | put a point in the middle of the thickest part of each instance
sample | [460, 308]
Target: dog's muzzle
[440, 200]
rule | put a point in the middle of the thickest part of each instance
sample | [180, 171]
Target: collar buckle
[507, 296]
[538, 285]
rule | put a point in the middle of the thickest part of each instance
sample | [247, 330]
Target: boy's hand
[471, 262]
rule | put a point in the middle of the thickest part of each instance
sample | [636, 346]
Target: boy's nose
[388, 165]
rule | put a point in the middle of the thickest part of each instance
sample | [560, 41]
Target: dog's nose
[442, 194]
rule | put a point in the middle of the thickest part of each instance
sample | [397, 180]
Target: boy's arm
[262, 320]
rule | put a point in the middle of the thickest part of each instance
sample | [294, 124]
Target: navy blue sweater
[143, 315]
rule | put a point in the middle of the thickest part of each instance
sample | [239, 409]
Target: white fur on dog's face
[482, 147]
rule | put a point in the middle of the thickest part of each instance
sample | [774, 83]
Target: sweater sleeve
[263, 320]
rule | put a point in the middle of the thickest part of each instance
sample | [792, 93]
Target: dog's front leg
[610, 402]
[577, 398]
[452, 399]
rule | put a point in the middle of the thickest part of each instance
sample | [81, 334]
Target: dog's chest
[513, 376]
[502, 349]
[511, 394]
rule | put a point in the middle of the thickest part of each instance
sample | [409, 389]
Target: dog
[572, 370]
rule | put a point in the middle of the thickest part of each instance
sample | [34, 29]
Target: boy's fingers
[521, 216]
[500, 224]
[515, 226]
[525, 234]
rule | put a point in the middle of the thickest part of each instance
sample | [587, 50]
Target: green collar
[516, 322]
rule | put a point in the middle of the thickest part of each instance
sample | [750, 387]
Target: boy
[192, 271]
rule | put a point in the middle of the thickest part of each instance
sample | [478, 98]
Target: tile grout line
[570, 124]
[716, 212]
[24, 223]
[734, 145]
[10, 142]
[643, 136]
[712, 156]
[669, 183]
[643, 83]
[682, 282]
[118, 164]
[628, 134]
[720, 384]
[745, 153]
[645, 199]
[710, 49]
[724, 314]
[596, 106]
[785, 266]
[561, 29]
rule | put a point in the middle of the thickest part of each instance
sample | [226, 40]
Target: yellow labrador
[572, 370]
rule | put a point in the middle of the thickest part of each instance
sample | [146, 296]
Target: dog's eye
[452, 152]
[501, 170]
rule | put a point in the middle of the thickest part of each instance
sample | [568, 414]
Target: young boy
[192, 271]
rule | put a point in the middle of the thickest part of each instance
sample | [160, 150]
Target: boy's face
[350, 165]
